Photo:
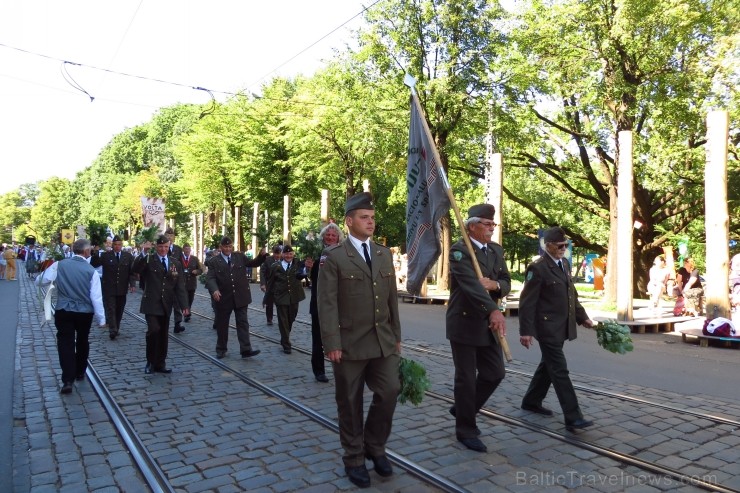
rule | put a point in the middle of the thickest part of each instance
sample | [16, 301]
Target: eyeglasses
[488, 224]
[561, 246]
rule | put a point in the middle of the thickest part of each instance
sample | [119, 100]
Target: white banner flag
[152, 210]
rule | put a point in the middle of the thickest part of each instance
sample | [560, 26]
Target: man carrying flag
[473, 319]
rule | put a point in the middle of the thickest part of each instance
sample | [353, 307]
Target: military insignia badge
[321, 260]
[457, 256]
[529, 275]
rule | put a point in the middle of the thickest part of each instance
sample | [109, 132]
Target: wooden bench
[651, 325]
[704, 339]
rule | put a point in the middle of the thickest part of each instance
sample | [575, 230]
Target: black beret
[226, 241]
[287, 249]
[162, 239]
[362, 200]
[117, 238]
[554, 235]
[484, 211]
[277, 249]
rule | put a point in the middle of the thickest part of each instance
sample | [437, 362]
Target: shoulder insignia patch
[457, 255]
[529, 275]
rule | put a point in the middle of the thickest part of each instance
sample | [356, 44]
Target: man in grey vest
[79, 299]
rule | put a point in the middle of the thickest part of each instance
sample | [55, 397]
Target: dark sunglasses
[561, 246]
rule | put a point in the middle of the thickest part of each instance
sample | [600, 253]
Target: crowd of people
[355, 322]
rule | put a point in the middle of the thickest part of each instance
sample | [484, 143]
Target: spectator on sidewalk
[659, 275]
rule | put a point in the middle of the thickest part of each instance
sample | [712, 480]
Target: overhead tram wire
[123, 38]
[365, 9]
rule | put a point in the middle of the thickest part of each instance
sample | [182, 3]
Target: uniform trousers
[478, 371]
[73, 346]
[317, 347]
[269, 306]
[286, 316]
[114, 306]
[177, 310]
[370, 437]
[191, 297]
[157, 328]
[553, 369]
[221, 323]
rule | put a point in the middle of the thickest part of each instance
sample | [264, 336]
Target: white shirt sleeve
[48, 276]
[96, 296]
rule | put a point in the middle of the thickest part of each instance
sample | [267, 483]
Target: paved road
[659, 361]
[210, 432]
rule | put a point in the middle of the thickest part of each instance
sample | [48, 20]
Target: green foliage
[97, 233]
[614, 337]
[414, 381]
[147, 234]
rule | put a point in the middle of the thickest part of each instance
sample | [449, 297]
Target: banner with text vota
[152, 210]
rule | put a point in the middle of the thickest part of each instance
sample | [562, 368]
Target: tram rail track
[407, 465]
[623, 458]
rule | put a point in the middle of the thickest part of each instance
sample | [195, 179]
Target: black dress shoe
[579, 423]
[187, 319]
[536, 408]
[179, 328]
[382, 465]
[148, 369]
[163, 369]
[321, 378]
[287, 350]
[112, 335]
[358, 475]
[249, 354]
[474, 444]
[220, 354]
[67, 389]
[269, 322]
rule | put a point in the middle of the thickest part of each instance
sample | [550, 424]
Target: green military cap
[362, 200]
[162, 239]
[226, 241]
[287, 249]
[554, 235]
[484, 211]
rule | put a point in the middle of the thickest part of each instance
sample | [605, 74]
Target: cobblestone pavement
[211, 431]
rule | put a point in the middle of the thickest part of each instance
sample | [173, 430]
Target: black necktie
[118, 257]
[367, 256]
[164, 263]
[483, 249]
[560, 264]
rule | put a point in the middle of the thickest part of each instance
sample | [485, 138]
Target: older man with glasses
[474, 320]
[549, 311]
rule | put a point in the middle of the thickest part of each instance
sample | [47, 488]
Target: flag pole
[411, 82]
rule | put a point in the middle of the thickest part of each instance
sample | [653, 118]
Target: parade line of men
[355, 317]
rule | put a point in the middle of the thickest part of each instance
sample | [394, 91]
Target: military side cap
[162, 239]
[287, 249]
[484, 211]
[554, 235]
[226, 241]
[117, 238]
[362, 200]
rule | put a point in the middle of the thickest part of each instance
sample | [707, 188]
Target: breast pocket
[352, 284]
